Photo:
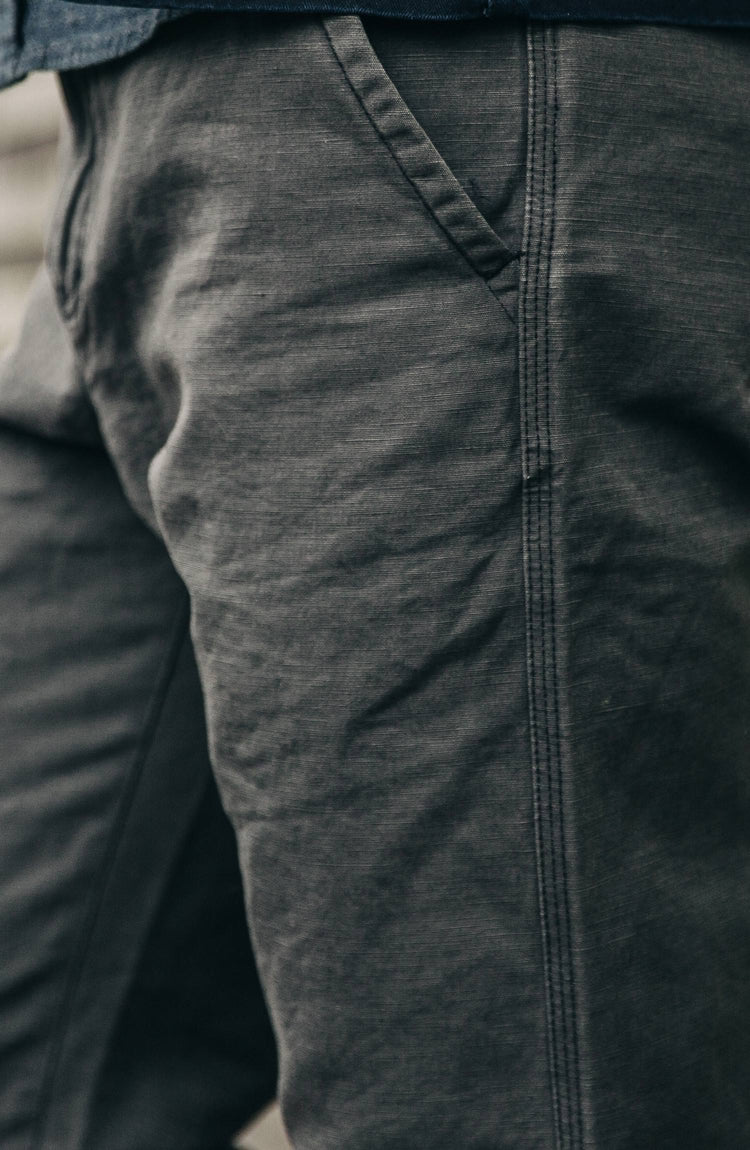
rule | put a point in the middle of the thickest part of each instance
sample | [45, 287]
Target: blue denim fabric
[56, 35]
[704, 13]
[59, 34]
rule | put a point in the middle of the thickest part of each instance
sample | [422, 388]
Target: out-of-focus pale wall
[30, 115]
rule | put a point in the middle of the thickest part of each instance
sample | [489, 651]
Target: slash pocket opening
[65, 236]
[419, 160]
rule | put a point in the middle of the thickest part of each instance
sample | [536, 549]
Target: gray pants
[406, 367]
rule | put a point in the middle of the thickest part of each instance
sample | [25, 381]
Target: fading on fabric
[416, 364]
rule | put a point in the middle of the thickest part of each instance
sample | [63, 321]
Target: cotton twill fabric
[130, 1012]
[459, 495]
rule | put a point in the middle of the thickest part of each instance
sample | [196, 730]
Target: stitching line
[384, 139]
[541, 382]
[541, 582]
[574, 1080]
[544, 551]
[554, 940]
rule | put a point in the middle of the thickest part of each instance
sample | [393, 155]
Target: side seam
[540, 465]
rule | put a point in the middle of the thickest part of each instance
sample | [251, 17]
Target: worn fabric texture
[56, 34]
[130, 1010]
[422, 363]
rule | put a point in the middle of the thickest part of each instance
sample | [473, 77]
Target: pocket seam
[481, 247]
[68, 222]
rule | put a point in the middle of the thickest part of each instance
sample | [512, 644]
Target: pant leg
[464, 527]
[634, 375]
[130, 1013]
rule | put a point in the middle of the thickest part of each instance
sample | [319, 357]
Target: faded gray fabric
[460, 499]
[481, 133]
[129, 1004]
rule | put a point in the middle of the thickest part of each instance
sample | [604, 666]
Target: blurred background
[30, 115]
[29, 120]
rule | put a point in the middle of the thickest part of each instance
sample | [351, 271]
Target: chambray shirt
[57, 34]
[61, 34]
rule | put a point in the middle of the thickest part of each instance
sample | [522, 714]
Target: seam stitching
[553, 939]
[527, 411]
[574, 1085]
[549, 651]
[397, 160]
[542, 586]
